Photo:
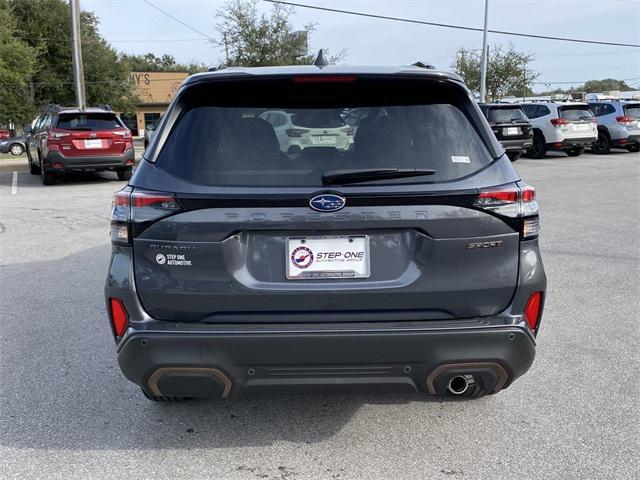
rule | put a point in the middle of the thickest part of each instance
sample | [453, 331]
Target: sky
[133, 26]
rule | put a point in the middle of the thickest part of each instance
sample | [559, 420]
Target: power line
[179, 21]
[447, 25]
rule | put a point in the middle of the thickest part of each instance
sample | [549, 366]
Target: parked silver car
[618, 125]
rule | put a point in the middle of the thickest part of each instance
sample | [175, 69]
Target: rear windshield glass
[88, 121]
[575, 113]
[505, 115]
[292, 136]
[632, 110]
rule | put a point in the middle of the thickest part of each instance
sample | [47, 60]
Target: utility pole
[76, 54]
[483, 71]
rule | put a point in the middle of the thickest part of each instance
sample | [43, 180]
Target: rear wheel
[537, 149]
[33, 168]
[46, 177]
[513, 156]
[633, 148]
[125, 174]
[602, 145]
[575, 151]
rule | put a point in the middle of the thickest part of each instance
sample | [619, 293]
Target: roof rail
[105, 106]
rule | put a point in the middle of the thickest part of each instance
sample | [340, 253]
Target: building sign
[157, 88]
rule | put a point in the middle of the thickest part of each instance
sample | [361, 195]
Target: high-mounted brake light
[514, 202]
[119, 316]
[532, 310]
[558, 122]
[324, 79]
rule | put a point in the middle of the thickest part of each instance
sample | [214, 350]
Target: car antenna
[321, 60]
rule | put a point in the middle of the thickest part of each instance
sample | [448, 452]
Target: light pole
[76, 54]
[483, 70]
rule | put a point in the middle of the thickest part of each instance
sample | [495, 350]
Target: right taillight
[130, 208]
[518, 203]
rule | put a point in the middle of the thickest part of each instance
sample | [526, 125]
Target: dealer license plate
[93, 144]
[327, 257]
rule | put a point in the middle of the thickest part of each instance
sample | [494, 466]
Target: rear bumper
[225, 362]
[624, 142]
[56, 162]
[516, 145]
[568, 143]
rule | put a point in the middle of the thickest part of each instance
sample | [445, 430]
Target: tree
[45, 25]
[151, 63]
[17, 62]
[606, 85]
[508, 71]
[253, 40]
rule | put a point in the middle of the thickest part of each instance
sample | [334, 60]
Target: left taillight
[119, 316]
[518, 203]
[131, 208]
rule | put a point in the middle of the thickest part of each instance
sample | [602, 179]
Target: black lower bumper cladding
[222, 364]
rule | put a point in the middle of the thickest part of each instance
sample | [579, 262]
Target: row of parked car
[535, 128]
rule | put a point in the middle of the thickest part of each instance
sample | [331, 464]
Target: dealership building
[155, 90]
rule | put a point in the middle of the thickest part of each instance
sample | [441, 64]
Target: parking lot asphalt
[67, 412]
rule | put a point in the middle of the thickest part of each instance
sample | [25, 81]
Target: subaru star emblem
[327, 202]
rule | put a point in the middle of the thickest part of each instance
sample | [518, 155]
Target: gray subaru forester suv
[397, 251]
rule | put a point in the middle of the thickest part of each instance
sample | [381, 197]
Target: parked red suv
[4, 134]
[72, 139]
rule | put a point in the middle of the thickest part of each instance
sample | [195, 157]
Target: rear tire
[33, 168]
[513, 156]
[125, 174]
[538, 148]
[633, 148]
[575, 151]
[46, 177]
[602, 145]
[160, 399]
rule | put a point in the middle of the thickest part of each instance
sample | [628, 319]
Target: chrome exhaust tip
[459, 384]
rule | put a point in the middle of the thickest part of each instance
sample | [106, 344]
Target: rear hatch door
[258, 237]
[580, 121]
[509, 123]
[91, 134]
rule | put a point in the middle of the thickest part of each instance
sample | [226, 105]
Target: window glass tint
[506, 114]
[88, 121]
[237, 146]
[632, 110]
[535, 111]
[575, 113]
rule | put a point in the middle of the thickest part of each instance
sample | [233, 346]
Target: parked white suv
[565, 126]
[618, 125]
[300, 129]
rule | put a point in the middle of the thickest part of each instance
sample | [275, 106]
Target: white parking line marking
[14, 184]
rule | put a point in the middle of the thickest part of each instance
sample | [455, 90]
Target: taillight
[295, 132]
[126, 135]
[625, 120]
[54, 137]
[347, 130]
[532, 310]
[131, 207]
[558, 122]
[516, 203]
[119, 316]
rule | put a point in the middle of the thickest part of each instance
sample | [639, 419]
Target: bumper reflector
[119, 316]
[532, 310]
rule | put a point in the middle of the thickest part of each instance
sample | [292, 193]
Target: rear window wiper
[341, 177]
